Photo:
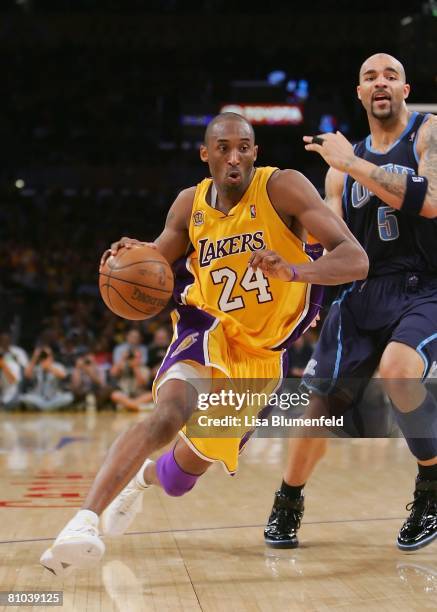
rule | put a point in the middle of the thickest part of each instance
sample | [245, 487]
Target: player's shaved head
[224, 118]
[390, 63]
[230, 151]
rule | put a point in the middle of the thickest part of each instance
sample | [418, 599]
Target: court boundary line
[199, 529]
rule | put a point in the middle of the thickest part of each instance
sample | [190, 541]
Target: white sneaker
[77, 546]
[120, 513]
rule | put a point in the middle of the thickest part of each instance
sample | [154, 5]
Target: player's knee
[400, 361]
[164, 423]
[393, 369]
[173, 479]
[400, 381]
[404, 391]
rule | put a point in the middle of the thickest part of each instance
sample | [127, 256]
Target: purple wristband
[295, 274]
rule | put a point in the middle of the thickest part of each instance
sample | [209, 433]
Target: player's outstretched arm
[293, 195]
[399, 191]
[173, 241]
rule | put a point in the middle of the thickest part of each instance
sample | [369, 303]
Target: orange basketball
[137, 283]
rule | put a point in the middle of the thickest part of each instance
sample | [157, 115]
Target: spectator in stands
[13, 360]
[46, 375]
[133, 342]
[17, 352]
[158, 348]
[87, 378]
[103, 355]
[69, 351]
[132, 378]
[10, 377]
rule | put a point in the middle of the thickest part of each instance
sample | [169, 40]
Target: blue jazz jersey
[398, 301]
[393, 240]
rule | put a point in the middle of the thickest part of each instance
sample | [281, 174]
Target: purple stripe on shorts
[191, 329]
[317, 293]
[266, 411]
[315, 305]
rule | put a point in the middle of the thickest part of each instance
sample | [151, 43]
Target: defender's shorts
[367, 316]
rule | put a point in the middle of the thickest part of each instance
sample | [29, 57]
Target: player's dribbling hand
[123, 243]
[271, 264]
[335, 149]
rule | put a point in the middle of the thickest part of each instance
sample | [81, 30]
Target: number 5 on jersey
[388, 226]
[251, 281]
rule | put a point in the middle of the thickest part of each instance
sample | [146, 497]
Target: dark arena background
[103, 108]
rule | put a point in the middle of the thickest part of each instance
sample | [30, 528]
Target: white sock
[87, 515]
[139, 478]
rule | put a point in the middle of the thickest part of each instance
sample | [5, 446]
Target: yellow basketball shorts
[233, 385]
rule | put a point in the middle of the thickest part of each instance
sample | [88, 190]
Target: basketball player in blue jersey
[385, 188]
[222, 323]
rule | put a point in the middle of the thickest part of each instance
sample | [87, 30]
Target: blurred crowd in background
[87, 357]
[75, 362]
[105, 106]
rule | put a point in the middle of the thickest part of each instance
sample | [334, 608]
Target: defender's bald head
[384, 61]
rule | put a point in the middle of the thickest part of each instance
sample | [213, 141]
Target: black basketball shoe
[284, 522]
[420, 528]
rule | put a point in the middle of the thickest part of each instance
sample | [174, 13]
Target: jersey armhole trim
[416, 156]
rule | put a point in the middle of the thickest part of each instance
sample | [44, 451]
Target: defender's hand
[123, 243]
[335, 149]
[271, 264]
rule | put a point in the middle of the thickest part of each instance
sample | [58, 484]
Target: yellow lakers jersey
[256, 311]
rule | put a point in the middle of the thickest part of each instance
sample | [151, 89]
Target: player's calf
[120, 514]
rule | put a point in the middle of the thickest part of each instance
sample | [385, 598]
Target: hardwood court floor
[205, 551]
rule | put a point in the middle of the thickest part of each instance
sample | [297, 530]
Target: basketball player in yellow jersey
[244, 288]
